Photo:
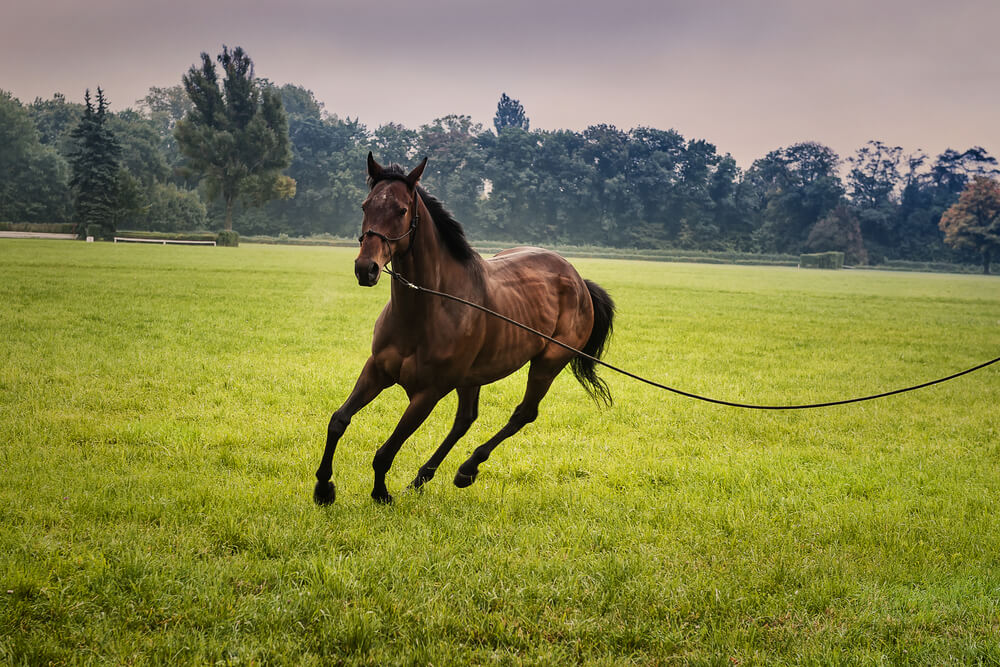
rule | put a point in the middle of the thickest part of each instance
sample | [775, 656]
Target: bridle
[414, 221]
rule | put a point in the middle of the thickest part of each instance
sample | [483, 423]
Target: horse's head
[390, 218]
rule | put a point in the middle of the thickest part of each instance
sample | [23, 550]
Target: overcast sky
[747, 76]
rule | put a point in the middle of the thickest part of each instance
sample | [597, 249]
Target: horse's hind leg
[465, 415]
[540, 377]
[370, 384]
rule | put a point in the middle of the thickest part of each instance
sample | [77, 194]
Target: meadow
[163, 410]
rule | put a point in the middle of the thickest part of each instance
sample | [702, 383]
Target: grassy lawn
[163, 409]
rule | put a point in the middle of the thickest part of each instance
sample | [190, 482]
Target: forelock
[392, 172]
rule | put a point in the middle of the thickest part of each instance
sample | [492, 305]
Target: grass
[163, 409]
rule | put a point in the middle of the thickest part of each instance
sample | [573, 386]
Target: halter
[414, 220]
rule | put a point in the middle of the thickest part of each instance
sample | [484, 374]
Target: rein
[418, 288]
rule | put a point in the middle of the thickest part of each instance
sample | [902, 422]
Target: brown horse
[431, 346]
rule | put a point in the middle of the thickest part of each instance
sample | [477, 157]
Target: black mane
[450, 229]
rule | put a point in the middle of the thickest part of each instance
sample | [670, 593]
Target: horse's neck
[428, 263]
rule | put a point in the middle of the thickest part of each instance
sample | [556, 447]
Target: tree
[326, 153]
[172, 209]
[510, 113]
[141, 154]
[699, 226]
[454, 172]
[952, 170]
[974, 220]
[840, 230]
[394, 143]
[33, 177]
[927, 193]
[165, 107]
[654, 165]
[236, 137]
[511, 207]
[796, 186]
[874, 174]
[300, 102]
[874, 179]
[607, 148]
[566, 202]
[96, 182]
[55, 119]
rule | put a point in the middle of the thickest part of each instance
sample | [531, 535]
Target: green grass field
[163, 409]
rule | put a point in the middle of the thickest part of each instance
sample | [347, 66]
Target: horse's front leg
[468, 410]
[421, 405]
[370, 384]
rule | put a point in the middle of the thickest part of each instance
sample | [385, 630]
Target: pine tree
[95, 169]
[510, 113]
[236, 136]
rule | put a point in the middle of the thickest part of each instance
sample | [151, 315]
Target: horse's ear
[414, 175]
[374, 168]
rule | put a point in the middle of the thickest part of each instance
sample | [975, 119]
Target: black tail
[585, 369]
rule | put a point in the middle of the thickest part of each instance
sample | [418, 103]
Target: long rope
[717, 401]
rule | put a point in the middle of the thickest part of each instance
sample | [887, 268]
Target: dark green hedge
[39, 227]
[228, 238]
[174, 236]
[822, 260]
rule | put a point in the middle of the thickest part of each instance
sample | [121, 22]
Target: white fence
[126, 239]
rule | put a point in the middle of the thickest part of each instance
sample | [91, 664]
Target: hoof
[418, 482]
[324, 493]
[462, 480]
[382, 498]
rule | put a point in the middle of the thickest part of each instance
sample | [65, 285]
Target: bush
[172, 209]
[822, 260]
[228, 237]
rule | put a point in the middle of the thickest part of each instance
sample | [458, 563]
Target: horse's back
[529, 262]
[541, 289]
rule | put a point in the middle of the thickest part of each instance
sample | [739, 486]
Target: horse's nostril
[373, 271]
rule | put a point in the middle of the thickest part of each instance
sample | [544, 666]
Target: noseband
[414, 220]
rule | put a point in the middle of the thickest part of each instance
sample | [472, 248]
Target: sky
[749, 76]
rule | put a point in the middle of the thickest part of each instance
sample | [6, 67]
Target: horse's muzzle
[367, 272]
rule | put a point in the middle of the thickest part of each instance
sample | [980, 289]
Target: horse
[431, 346]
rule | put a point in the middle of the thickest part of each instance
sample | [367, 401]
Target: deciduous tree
[796, 187]
[974, 220]
[33, 177]
[455, 170]
[839, 230]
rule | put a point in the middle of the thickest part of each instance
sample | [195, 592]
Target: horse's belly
[499, 359]
[486, 374]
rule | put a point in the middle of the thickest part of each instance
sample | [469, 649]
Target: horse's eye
[402, 212]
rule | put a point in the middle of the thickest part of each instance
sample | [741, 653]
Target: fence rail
[129, 239]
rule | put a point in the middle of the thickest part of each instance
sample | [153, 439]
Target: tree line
[168, 165]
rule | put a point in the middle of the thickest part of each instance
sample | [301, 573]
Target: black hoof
[418, 482]
[462, 480]
[382, 498]
[324, 493]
